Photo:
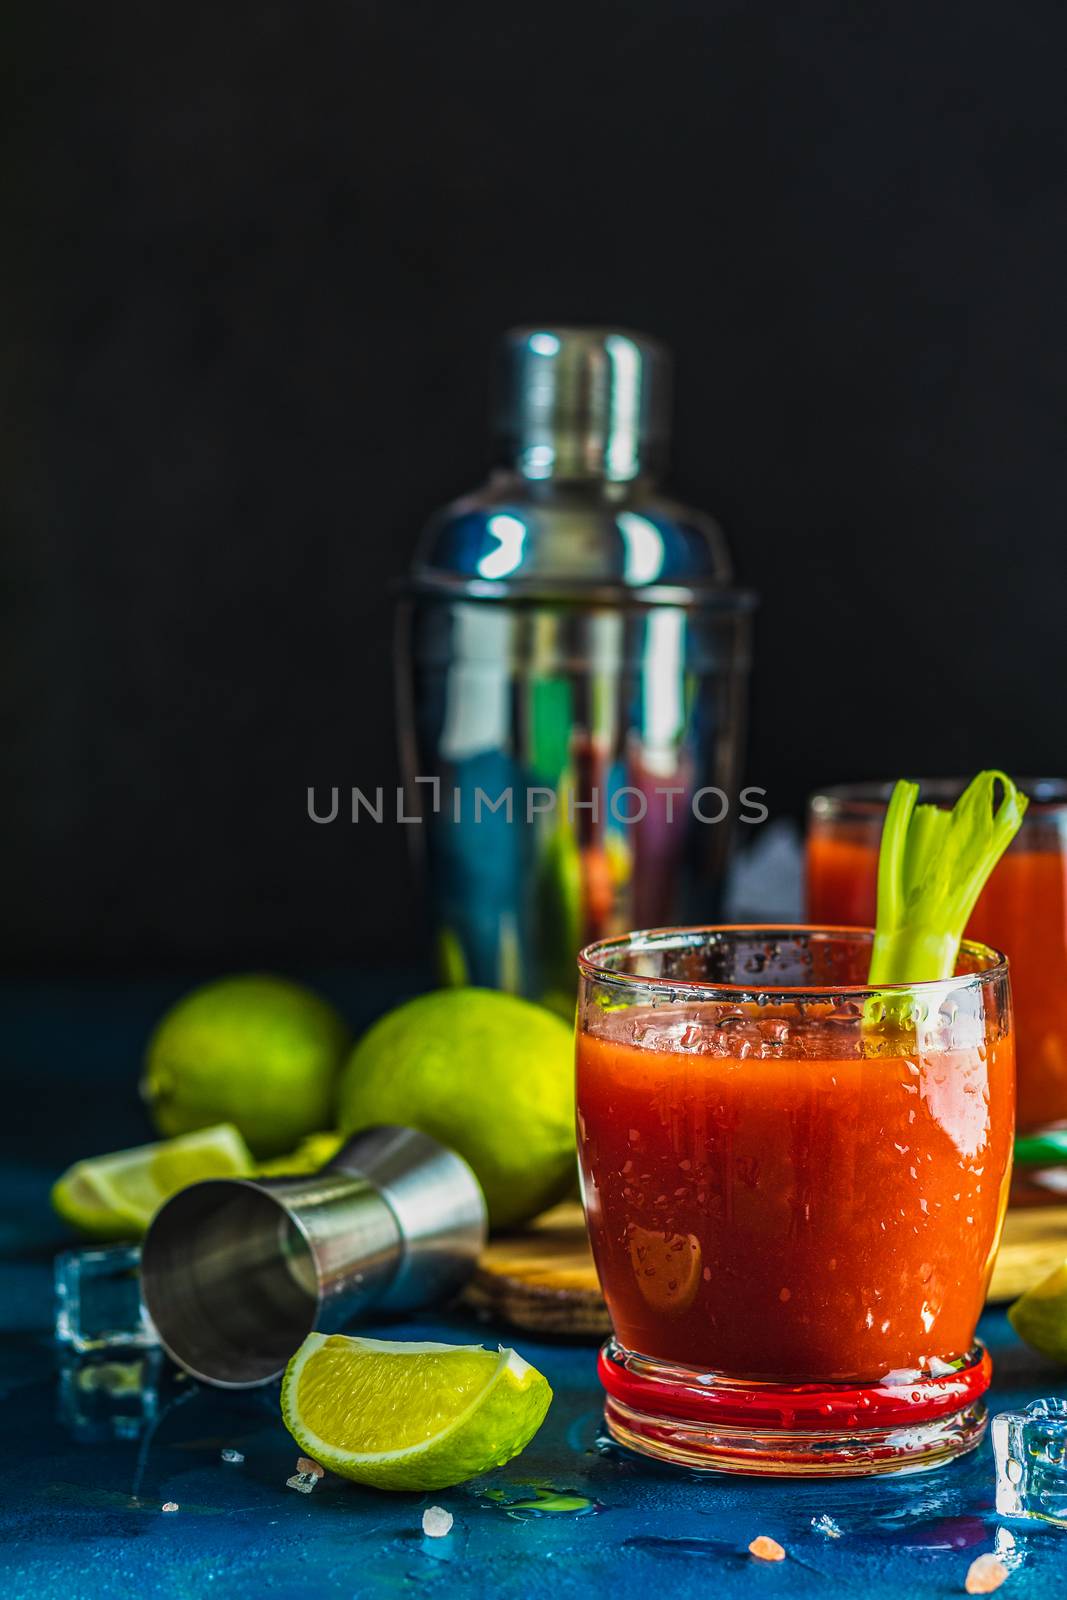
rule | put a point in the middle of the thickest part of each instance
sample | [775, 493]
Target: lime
[259, 1052]
[410, 1416]
[559, 907]
[489, 1075]
[310, 1154]
[451, 961]
[116, 1196]
[1040, 1315]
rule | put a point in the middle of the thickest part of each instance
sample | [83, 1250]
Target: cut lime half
[410, 1416]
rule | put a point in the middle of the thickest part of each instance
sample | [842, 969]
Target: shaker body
[579, 759]
[572, 662]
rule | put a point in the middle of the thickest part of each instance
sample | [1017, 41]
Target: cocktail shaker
[572, 659]
[236, 1272]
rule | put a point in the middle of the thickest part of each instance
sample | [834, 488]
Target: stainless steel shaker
[572, 659]
[236, 1272]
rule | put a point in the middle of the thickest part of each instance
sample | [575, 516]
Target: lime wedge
[77, 1201]
[116, 1196]
[410, 1416]
[1040, 1315]
[310, 1154]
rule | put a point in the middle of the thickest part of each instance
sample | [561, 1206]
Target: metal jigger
[236, 1272]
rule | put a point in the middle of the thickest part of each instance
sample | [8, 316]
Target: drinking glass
[794, 1186]
[1022, 911]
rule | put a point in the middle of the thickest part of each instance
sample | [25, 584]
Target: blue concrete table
[82, 1520]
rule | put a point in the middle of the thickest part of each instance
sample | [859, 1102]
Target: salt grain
[170, 1505]
[985, 1573]
[436, 1522]
[826, 1526]
[305, 1464]
[765, 1549]
[303, 1482]
[233, 1456]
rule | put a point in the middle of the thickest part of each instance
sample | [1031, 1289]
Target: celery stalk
[932, 867]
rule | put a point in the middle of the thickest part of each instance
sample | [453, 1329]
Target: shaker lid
[579, 403]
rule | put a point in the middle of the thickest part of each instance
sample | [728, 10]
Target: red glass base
[907, 1423]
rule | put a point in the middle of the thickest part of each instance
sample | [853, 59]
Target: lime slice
[77, 1201]
[666, 1267]
[410, 1416]
[116, 1196]
[1040, 1315]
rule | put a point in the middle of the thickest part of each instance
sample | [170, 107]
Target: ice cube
[98, 1300]
[1030, 1447]
[436, 1522]
[1006, 1550]
[101, 1398]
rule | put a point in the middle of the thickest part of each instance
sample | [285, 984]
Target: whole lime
[257, 1051]
[488, 1074]
[1040, 1316]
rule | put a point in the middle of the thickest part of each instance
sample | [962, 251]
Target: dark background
[254, 261]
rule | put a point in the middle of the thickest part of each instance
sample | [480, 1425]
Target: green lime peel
[932, 866]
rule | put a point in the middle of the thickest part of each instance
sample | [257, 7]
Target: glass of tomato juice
[1022, 910]
[794, 1187]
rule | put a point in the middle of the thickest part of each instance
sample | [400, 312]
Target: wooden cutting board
[543, 1280]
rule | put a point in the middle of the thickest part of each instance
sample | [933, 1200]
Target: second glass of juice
[794, 1187]
[1022, 910]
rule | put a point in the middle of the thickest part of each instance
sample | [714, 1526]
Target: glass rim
[995, 964]
[869, 796]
